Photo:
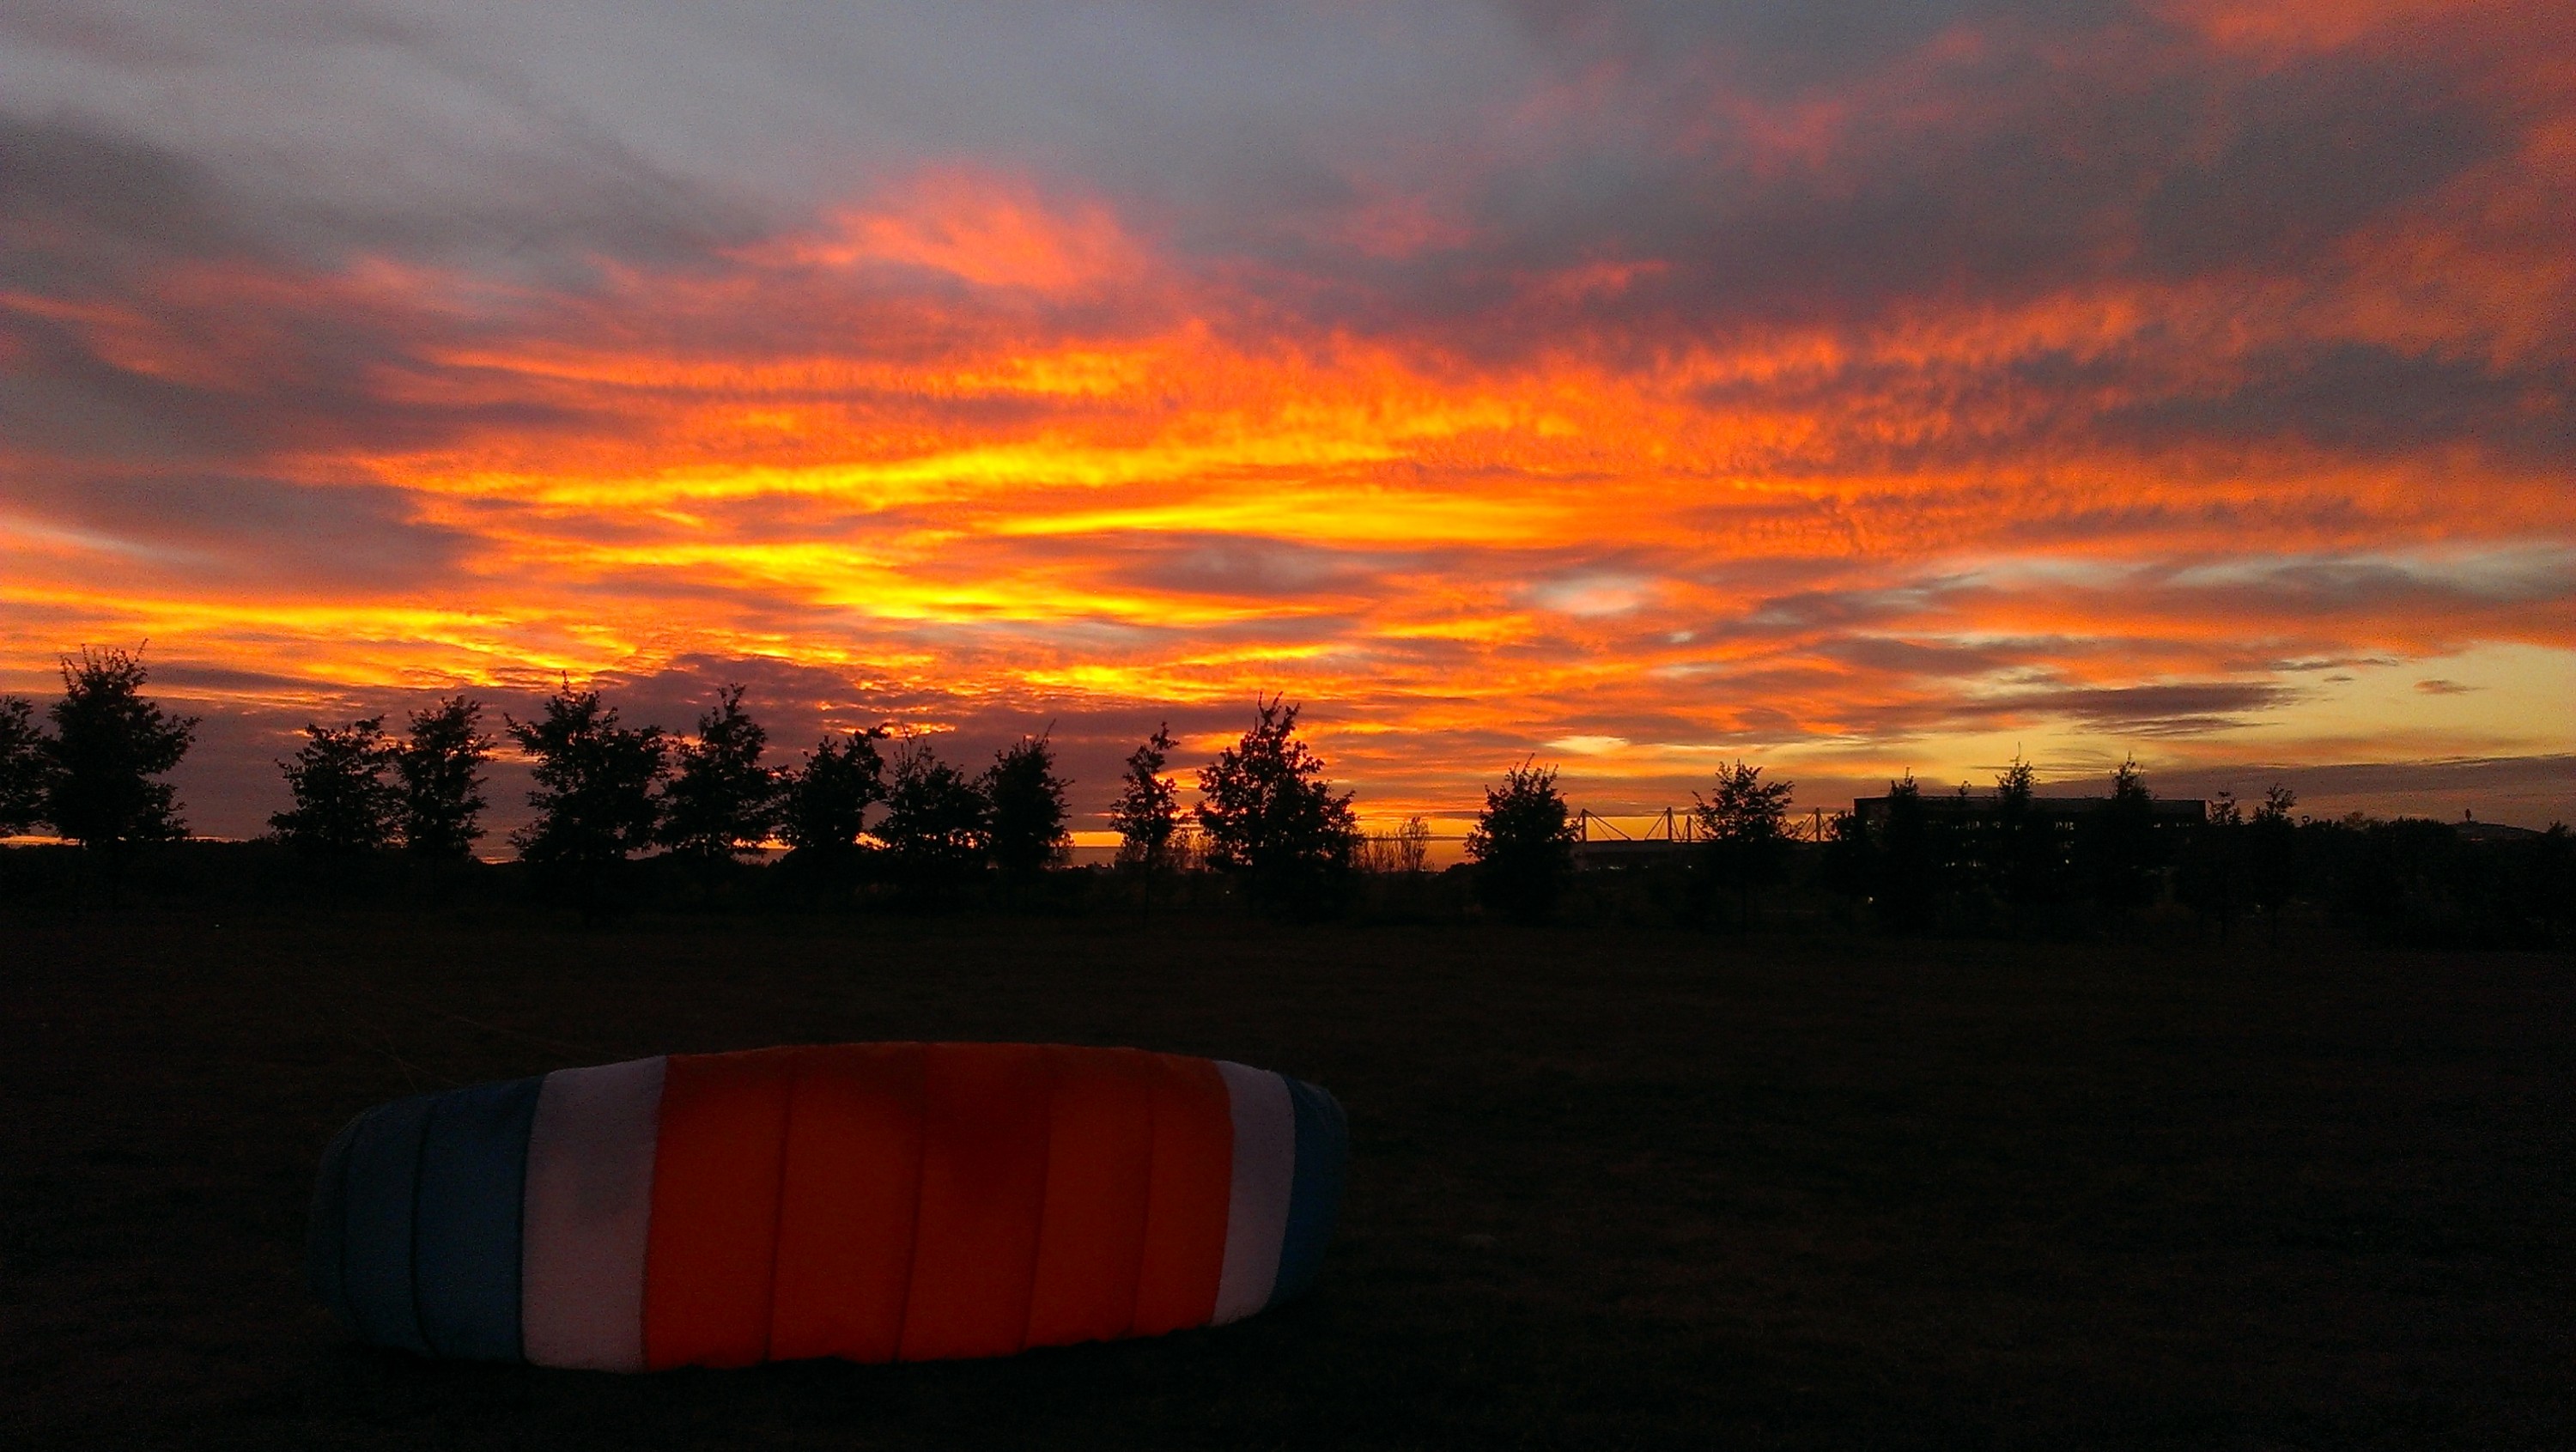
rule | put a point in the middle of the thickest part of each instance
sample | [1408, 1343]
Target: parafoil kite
[875, 1202]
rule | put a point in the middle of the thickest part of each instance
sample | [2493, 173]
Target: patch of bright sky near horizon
[1853, 388]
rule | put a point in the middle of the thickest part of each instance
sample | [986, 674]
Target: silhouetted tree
[1025, 802]
[721, 801]
[2549, 882]
[1907, 888]
[26, 760]
[825, 804]
[2024, 861]
[109, 745]
[1403, 852]
[1147, 813]
[1523, 844]
[1269, 813]
[1848, 866]
[2410, 880]
[2211, 877]
[2121, 850]
[2272, 857]
[594, 794]
[1409, 846]
[1744, 833]
[1961, 834]
[936, 828]
[440, 767]
[344, 807]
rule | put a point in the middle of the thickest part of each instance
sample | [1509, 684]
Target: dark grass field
[1627, 1189]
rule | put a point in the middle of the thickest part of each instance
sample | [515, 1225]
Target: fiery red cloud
[2192, 382]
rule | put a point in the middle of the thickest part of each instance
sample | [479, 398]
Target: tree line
[2010, 863]
[860, 805]
[2013, 868]
[873, 806]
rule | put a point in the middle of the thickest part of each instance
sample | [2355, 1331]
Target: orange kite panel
[713, 1244]
[1186, 1213]
[852, 1183]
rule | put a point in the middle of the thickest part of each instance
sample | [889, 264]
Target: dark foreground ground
[1636, 1188]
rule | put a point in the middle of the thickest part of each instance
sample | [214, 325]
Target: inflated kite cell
[877, 1202]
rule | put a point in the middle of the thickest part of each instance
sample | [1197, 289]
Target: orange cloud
[979, 229]
[980, 445]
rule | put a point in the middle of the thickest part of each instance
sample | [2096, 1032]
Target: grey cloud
[89, 218]
[2310, 153]
[89, 31]
[69, 190]
[2071, 133]
[319, 381]
[2357, 399]
[1812, 611]
[1930, 688]
[183, 677]
[367, 135]
[2183, 709]
[784, 102]
[1916, 658]
[2074, 145]
[218, 529]
[2530, 791]
[1799, 46]
[140, 34]
[2155, 394]
[1233, 565]
[2327, 663]
[2054, 159]
[2422, 586]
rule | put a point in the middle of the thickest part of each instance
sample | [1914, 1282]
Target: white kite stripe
[1265, 1173]
[589, 1214]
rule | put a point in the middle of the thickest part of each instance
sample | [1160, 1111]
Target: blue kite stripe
[1323, 1145]
[326, 1241]
[376, 1256]
[465, 1231]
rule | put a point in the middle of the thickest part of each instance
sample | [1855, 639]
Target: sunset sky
[1849, 387]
